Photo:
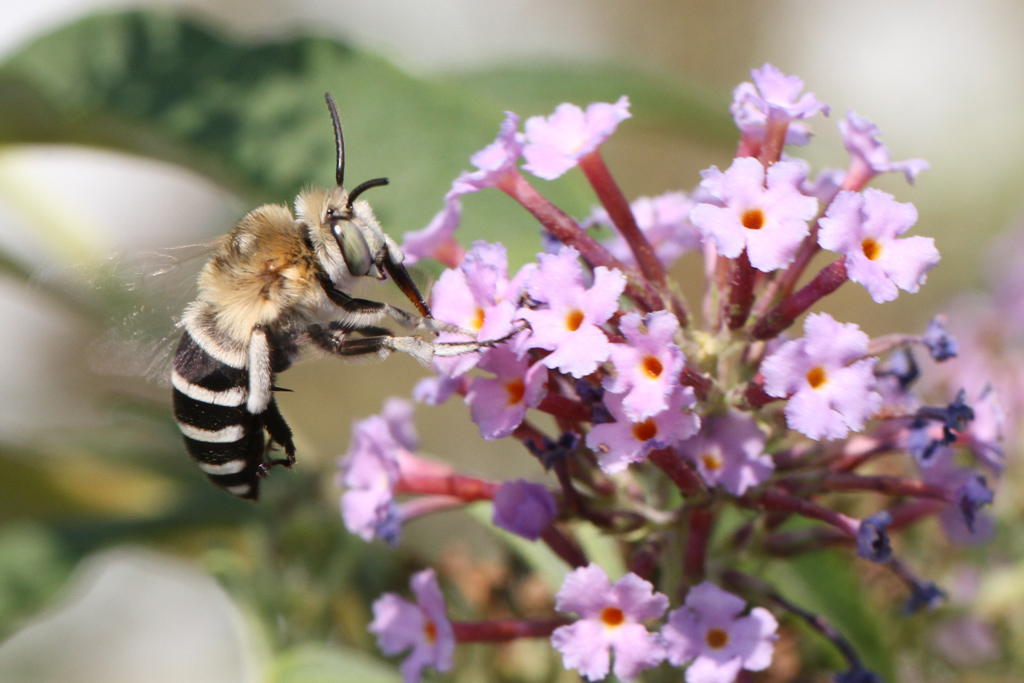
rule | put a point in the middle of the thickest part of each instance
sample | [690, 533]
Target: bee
[275, 285]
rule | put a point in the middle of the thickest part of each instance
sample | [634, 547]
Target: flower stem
[615, 203]
[782, 316]
[741, 291]
[504, 630]
[562, 227]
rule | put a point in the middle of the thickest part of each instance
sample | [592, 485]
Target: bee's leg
[338, 341]
[365, 312]
[281, 434]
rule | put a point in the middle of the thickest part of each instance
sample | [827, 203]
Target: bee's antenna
[339, 140]
[363, 187]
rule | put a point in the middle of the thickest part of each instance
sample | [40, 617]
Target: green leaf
[314, 664]
[682, 110]
[250, 117]
[825, 583]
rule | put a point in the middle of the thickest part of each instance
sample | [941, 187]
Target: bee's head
[346, 235]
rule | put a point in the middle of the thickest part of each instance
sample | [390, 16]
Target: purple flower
[569, 325]
[435, 241]
[941, 344]
[963, 523]
[557, 143]
[495, 162]
[610, 622]
[774, 96]
[647, 368]
[624, 441]
[868, 156]
[422, 627]
[763, 213]
[434, 391]
[829, 383]
[864, 228]
[498, 404]
[369, 471]
[729, 450]
[709, 632]
[665, 222]
[524, 508]
[479, 297]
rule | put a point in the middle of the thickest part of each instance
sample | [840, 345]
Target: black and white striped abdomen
[210, 405]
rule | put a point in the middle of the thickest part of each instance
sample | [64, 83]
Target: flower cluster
[667, 425]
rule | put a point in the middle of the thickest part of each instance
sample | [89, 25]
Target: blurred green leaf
[252, 117]
[826, 583]
[331, 665]
[683, 110]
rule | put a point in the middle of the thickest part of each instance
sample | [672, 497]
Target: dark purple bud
[971, 497]
[940, 343]
[873, 539]
[924, 595]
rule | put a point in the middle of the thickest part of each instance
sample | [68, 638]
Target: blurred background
[944, 80]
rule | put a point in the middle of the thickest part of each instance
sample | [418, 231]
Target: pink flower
[421, 627]
[709, 634]
[829, 382]
[498, 404]
[624, 441]
[868, 156]
[729, 450]
[763, 213]
[479, 297]
[609, 623]
[569, 324]
[864, 227]
[774, 96]
[495, 162]
[436, 241]
[647, 367]
[555, 144]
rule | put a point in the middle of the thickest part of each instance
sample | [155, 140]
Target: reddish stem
[695, 556]
[562, 227]
[782, 316]
[621, 214]
[464, 488]
[774, 140]
[564, 547]
[741, 291]
[565, 408]
[890, 486]
[678, 470]
[777, 501]
[504, 630]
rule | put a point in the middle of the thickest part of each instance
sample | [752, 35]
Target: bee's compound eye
[354, 248]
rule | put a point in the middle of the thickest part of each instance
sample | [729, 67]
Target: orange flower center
[574, 320]
[516, 389]
[478, 321]
[430, 631]
[652, 366]
[872, 249]
[711, 460]
[612, 616]
[753, 219]
[716, 638]
[816, 377]
[646, 430]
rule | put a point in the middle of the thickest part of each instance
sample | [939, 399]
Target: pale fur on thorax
[262, 271]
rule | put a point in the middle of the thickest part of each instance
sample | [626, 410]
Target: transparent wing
[138, 298]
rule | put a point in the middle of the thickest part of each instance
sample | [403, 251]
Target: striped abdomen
[210, 406]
